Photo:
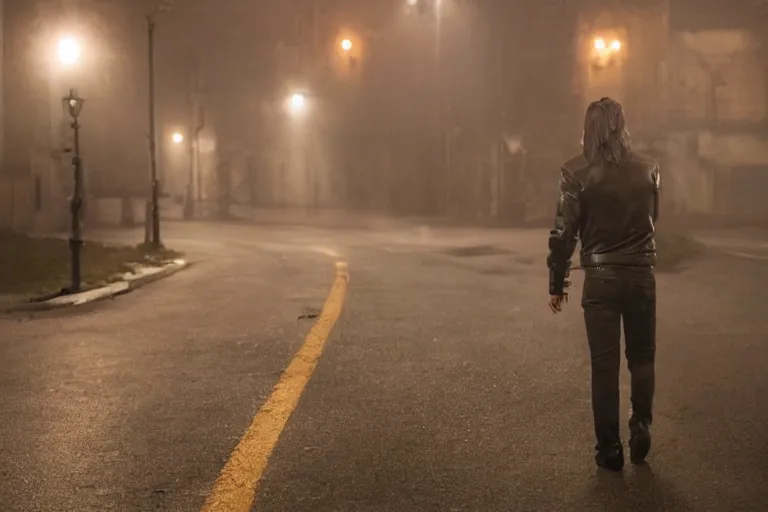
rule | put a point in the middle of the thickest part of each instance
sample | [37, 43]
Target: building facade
[465, 111]
[692, 76]
[718, 120]
[111, 73]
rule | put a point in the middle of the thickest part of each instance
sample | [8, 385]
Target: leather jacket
[611, 209]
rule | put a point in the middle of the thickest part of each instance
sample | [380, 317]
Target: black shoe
[610, 456]
[639, 442]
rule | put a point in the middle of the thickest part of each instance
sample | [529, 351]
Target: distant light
[412, 2]
[298, 101]
[615, 45]
[346, 45]
[297, 104]
[178, 138]
[599, 44]
[68, 51]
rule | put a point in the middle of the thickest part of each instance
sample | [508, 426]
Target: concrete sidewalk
[130, 281]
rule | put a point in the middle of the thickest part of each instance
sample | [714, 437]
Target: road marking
[235, 488]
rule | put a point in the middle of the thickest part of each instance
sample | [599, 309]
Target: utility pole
[314, 56]
[153, 219]
[194, 162]
[496, 195]
[152, 216]
[441, 153]
[197, 125]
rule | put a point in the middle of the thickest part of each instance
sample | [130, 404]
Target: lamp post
[189, 206]
[434, 9]
[74, 104]
[298, 106]
[65, 67]
[605, 53]
[194, 165]
[153, 211]
[68, 51]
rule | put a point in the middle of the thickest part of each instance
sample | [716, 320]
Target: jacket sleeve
[656, 193]
[564, 237]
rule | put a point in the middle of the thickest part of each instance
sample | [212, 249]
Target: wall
[697, 97]
[635, 73]
[17, 198]
[2, 85]
[718, 112]
[717, 77]
[111, 76]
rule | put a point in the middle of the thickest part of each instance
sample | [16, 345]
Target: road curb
[106, 292]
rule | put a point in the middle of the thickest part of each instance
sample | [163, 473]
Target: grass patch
[674, 249]
[475, 251]
[39, 266]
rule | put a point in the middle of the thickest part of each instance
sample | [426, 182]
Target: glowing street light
[68, 51]
[602, 46]
[599, 44]
[346, 45]
[423, 5]
[605, 52]
[297, 103]
[178, 138]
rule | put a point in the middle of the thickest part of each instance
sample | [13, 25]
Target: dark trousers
[610, 296]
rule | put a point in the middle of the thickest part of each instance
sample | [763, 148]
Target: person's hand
[556, 302]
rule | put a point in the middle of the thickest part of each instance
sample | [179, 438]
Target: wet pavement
[446, 385]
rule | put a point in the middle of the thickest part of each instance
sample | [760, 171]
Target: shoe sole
[640, 446]
[612, 464]
[614, 468]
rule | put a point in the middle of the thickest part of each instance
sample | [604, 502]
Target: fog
[298, 255]
[454, 108]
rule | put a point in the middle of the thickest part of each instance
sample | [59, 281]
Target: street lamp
[74, 104]
[601, 45]
[68, 51]
[350, 51]
[194, 165]
[605, 52]
[177, 138]
[297, 104]
[422, 6]
[298, 101]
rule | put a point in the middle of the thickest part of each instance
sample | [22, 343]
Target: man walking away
[609, 199]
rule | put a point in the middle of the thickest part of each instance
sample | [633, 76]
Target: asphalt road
[445, 386]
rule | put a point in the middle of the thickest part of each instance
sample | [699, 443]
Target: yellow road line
[235, 489]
